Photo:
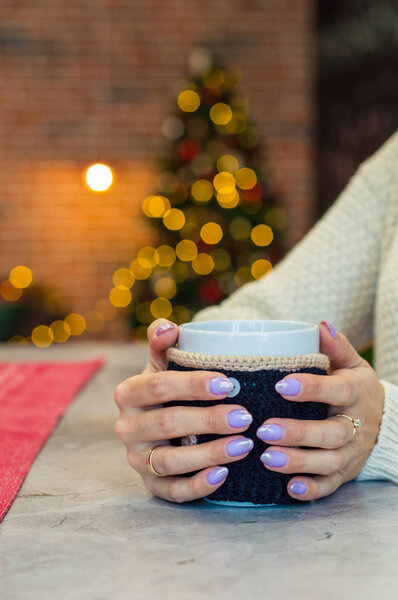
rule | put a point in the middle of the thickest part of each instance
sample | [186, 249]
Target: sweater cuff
[382, 462]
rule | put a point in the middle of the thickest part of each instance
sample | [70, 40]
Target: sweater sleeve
[332, 274]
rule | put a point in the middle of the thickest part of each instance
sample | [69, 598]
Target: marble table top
[84, 527]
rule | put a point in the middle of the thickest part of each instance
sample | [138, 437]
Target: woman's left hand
[351, 388]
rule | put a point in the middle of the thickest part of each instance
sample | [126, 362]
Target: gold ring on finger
[356, 423]
[149, 462]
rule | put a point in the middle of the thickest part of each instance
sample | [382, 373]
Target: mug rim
[195, 326]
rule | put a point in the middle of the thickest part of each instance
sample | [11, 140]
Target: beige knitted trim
[247, 363]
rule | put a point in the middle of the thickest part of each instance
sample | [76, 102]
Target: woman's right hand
[146, 421]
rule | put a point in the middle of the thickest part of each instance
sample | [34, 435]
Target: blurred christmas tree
[217, 222]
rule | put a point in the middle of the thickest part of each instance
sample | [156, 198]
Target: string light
[166, 287]
[107, 310]
[174, 219]
[167, 255]
[260, 267]
[228, 162]
[9, 292]
[60, 330]
[21, 277]
[203, 264]
[150, 254]
[94, 321]
[120, 296]
[220, 113]
[155, 206]
[42, 336]
[211, 233]
[99, 177]
[123, 277]
[76, 322]
[180, 314]
[246, 178]
[240, 228]
[141, 268]
[202, 190]
[161, 308]
[186, 250]
[230, 200]
[188, 101]
[242, 275]
[224, 182]
[262, 235]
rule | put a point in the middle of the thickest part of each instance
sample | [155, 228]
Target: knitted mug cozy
[254, 378]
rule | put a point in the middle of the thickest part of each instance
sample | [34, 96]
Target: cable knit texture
[345, 270]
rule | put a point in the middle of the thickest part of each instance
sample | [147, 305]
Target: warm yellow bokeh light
[246, 178]
[99, 177]
[76, 322]
[94, 321]
[107, 310]
[228, 200]
[120, 296]
[188, 101]
[224, 182]
[61, 331]
[211, 233]
[186, 250]
[228, 162]
[180, 314]
[220, 113]
[260, 268]
[124, 277]
[174, 219]
[203, 264]
[21, 277]
[141, 268]
[237, 124]
[155, 206]
[42, 336]
[9, 292]
[150, 254]
[202, 190]
[240, 228]
[213, 78]
[180, 271]
[242, 275]
[167, 255]
[161, 308]
[166, 287]
[262, 235]
[221, 258]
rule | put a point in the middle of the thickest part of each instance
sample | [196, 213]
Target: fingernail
[220, 385]
[270, 433]
[217, 475]
[331, 329]
[273, 458]
[239, 418]
[240, 446]
[164, 327]
[298, 487]
[289, 386]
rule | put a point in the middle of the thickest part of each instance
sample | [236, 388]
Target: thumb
[162, 334]
[341, 352]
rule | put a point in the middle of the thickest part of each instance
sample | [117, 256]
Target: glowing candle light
[99, 177]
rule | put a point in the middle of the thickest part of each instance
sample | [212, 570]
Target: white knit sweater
[345, 270]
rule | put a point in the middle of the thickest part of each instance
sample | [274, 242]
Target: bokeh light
[186, 250]
[141, 268]
[240, 228]
[221, 258]
[99, 177]
[220, 113]
[76, 323]
[213, 78]
[230, 200]
[202, 190]
[150, 254]
[237, 124]
[242, 275]
[61, 331]
[106, 308]
[260, 268]
[245, 178]
[161, 308]
[21, 277]
[166, 287]
[180, 314]
[203, 264]
[123, 276]
[228, 163]
[155, 206]
[188, 101]
[224, 182]
[174, 219]
[167, 255]
[9, 292]
[262, 235]
[120, 296]
[211, 233]
[42, 336]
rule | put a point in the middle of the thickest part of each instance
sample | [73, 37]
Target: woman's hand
[144, 423]
[351, 388]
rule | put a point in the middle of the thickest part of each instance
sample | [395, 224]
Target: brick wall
[92, 80]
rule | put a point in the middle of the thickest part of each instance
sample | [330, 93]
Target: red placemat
[33, 397]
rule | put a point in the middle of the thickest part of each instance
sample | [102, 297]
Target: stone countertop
[84, 527]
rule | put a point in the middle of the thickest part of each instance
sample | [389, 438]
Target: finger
[313, 488]
[148, 389]
[339, 388]
[162, 334]
[296, 460]
[328, 433]
[172, 460]
[185, 489]
[177, 421]
[341, 352]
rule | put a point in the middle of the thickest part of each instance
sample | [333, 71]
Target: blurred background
[156, 155]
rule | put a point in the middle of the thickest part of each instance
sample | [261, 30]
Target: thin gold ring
[149, 463]
[356, 423]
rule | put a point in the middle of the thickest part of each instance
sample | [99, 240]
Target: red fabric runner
[33, 397]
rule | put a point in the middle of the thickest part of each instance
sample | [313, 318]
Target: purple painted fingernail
[270, 432]
[289, 386]
[220, 385]
[164, 327]
[273, 458]
[240, 446]
[217, 475]
[331, 329]
[239, 418]
[298, 487]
